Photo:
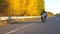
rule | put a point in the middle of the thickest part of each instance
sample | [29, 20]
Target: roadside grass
[6, 22]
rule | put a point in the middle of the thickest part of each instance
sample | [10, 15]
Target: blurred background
[28, 8]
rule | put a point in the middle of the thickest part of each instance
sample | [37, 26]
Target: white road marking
[18, 29]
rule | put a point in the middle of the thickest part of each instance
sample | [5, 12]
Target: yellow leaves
[34, 8]
[14, 4]
[32, 13]
[23, 7]
[15, 7]
[40, 5]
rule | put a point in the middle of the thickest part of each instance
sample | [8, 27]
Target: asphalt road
[51, 26]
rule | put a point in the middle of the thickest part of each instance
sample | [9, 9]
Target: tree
[49, 14]
[22, 7]
[34, 7]
[58, 14]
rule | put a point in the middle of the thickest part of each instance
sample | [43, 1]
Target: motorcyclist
[43, 15]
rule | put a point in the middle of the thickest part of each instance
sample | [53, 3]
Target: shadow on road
[38, 21]
[20, 22]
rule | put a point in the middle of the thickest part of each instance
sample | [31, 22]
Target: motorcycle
[43, 19]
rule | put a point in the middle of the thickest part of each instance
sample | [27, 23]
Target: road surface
[51, 26]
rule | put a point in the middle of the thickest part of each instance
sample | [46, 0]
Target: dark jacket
[44, 12]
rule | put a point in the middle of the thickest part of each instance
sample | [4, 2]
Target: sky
[52, 6]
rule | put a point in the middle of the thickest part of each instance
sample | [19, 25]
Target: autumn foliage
[21, 7]
[49, 14]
